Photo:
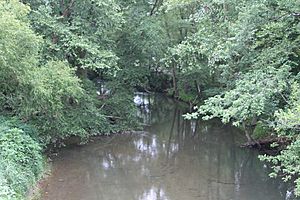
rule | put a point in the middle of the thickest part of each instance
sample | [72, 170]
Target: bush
[21, 160]
[286, 164]
[6, 193]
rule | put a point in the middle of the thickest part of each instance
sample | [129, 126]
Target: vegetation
[251, 51]
[44, 64]
[236, 60]
[20, 158]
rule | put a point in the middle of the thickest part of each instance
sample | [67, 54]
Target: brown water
[175, 160]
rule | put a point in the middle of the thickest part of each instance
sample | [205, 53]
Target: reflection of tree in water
[182, 159]
[143, 101]
[162, 109]
[230, 170]
[177, 159]
[130, 169]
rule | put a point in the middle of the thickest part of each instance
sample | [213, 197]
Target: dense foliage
[41, 86]
[20, 157]
[47, 66]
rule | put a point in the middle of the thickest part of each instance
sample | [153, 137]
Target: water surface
[174, 160]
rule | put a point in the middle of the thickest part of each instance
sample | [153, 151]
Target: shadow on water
[174, 159]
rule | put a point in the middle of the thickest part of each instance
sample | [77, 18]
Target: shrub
[21, 160]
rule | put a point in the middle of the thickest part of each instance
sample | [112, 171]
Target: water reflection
[175, 160]
[143, 101]
[154, 194]
[149, 147]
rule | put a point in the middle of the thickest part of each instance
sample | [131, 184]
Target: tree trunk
[175, 87]
[198, 89]
[248, 133]
[155, 6]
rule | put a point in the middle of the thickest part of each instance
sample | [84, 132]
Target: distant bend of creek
[174, 159]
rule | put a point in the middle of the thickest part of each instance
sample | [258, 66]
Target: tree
[46, 94]
[81, 32]
[256, 96]
[253, 54]
[287, 123]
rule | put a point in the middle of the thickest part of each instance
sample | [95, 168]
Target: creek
[172, 159]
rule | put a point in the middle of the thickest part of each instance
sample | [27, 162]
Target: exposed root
[265, 145]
